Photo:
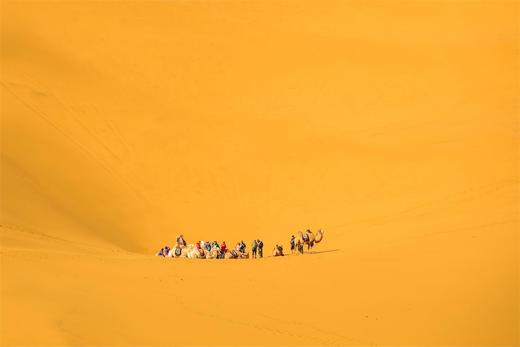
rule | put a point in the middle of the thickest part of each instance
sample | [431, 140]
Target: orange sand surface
[392, 125]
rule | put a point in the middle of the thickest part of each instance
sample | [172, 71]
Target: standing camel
[309, 239]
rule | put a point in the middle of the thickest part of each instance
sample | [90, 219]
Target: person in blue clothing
[242, 246]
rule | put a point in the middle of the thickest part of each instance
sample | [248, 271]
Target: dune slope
[392, 126]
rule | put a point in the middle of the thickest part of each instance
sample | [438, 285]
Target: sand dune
[392, 126]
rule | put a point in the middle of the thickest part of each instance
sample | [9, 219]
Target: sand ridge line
[4, 229]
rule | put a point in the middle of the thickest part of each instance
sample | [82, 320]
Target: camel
[308, 239]
[319, 236]
[202, 253]
[278, 251]
[232, 254]
[181, 251]
[175, 252]
[235, 254]
[193, 253]
[213, 254]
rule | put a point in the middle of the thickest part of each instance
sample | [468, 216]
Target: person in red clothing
[223, 249]
[197, 244]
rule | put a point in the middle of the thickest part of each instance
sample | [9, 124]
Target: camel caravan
[207, 250]
[214, 250]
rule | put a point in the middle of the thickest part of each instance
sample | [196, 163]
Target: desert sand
[391, 125]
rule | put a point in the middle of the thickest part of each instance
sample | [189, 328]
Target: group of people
[257, 248]
[214, 250]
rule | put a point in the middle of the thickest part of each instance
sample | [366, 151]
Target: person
[305, 236]
[197, 244]
[278, 251]
[166, 251]
[242, 246]
[292, 243]
[223, 249]
[260, 248]
[254, 246]
[215, 245]
[208, 246]
[160, 253]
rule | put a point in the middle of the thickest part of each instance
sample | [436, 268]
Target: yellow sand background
[392, 125]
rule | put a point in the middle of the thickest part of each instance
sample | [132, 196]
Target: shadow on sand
[312, 252]
[326, 251]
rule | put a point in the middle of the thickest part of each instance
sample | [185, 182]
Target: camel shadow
[326, 251]
[311, 252]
